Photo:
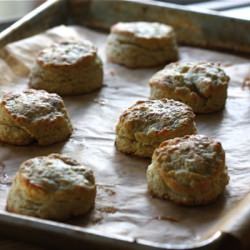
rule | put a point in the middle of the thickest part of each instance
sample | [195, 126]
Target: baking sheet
[123, 206]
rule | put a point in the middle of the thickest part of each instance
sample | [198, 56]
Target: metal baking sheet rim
[208, 29]
[28, 227]
[40, 231]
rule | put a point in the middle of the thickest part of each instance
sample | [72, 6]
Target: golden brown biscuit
[33, 115]
[52, 187]
[202, 86]
[68, 68]
[189, 170]
[141, 44]
[143, 126]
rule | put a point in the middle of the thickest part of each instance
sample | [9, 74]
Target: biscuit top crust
[56, 173]
[201, 77]
[142, 29]
[195, 154]
[155, 116]
[33, 106]
[67, 53]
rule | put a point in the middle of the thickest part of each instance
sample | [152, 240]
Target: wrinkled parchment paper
[123, 206]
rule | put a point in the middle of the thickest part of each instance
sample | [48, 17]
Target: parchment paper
[123, 206]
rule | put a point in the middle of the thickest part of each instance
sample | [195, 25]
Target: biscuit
[141, 44]
[33, 115]
[189, 170]
[52, 187]
[202, 86]
[143, 126]
[68, 68]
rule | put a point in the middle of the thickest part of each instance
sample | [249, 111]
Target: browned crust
[197, 184]
[82, 61]
[39, 127]
[34, 193]
[147, 41]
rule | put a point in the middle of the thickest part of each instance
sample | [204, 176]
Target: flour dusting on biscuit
[68, 68]
[143, 126]
[33, 116]
[141, 44]
[202, 86]
[190, 170]
[52, 187]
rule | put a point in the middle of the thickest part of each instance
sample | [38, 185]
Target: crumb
[168, 218]
[246, 82]
[226, 64]
[109, 191]
[109, 210]
[4, 178]
[2, 166]
[96, 219]
[112, 72]
[102, 102]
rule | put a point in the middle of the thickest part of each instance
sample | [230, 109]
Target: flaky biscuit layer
[68, 68]
[33, 115]
[52, 187]
[202, 86]
[143, 126]
[141, 44]
[189, 170]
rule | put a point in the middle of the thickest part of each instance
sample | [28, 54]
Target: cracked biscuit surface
[33, 116]
[141, 44]
[52, 187]
[143, 126]
[189, 170]
[202, 86]
[68, 68]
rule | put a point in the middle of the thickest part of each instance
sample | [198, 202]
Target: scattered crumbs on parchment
[246, 82]
[106, 189]
[78, 141]
[110, 192]
[4, 178]
[112, 72]
[134, 240]
[225, 65]
[2, 166]
[167, 218]
[102, 102]
[109, 210]
[96, 218]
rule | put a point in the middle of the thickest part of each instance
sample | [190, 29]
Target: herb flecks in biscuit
[202, 86]
[143, 126]
[68, 68]
[141, 44]
[52, 187]
[189, 170]
[33, 116]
